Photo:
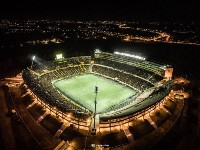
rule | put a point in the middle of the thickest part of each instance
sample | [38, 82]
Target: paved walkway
[151, 122]
[128, 134]
[167, 111]
[43, 137]
[29, 106]
[7, 137]
[198, 116]
[60, 131]
[146, 142]
[42, 117]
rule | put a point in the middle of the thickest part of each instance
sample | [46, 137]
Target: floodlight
[130, 55]
[97, 51]
[33, 58]
[59, 56]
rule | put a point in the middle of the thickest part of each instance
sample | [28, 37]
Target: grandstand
[59, 84]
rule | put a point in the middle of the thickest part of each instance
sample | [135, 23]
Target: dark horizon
[142, 10]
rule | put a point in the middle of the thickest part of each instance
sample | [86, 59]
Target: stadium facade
[150, 82]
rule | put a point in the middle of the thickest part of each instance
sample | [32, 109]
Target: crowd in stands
[40, 65]
[122, 104]
[42, 87]
[145, 74]
[143, 64]
[129, 79]
[151, 101]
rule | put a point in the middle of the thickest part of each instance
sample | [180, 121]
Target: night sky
[144, 10]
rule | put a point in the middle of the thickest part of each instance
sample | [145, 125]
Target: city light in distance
[130, 55]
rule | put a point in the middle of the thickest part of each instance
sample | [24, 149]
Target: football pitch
[81, 90]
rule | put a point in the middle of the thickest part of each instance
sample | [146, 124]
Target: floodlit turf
[81, 89]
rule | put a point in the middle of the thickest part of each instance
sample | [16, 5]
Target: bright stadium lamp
[130, 55]
[33, 58]
[59, 56]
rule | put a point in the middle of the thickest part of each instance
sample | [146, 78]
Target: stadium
[102, 92]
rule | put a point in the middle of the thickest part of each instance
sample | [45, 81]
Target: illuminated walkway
[29, 106]
[128, 134]
[42, 117]
[5, 122]
[167, 111]
[152, 122]
[60, 131]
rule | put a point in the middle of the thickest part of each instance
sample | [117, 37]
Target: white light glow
[97, 51]
[33, 58]
[163, 67]
[130, 55]
[59, 56]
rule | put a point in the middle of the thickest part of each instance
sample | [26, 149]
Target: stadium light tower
[95, 104]
[33, 58]
[59, 57]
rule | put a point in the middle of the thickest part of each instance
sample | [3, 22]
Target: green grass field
[81, 89]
